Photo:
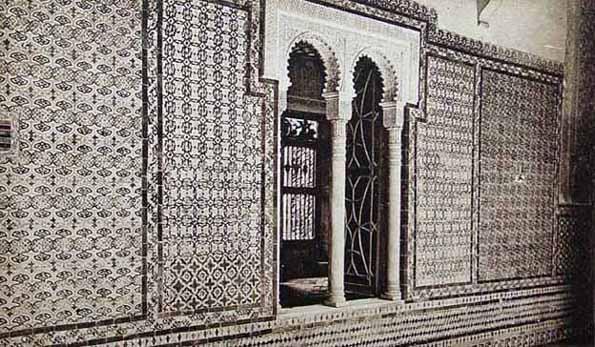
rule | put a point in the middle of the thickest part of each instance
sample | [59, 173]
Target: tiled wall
[139, 205]
[484, 154]
[211, 230]
[71, 216]
[444, 175]
[517, 182]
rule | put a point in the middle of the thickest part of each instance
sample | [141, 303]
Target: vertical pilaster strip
[577, 162]
[578, 106]
[568, 131]
[281, 108]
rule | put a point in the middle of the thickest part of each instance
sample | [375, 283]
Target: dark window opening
[304, 183]
[306, 178]
[366, 182]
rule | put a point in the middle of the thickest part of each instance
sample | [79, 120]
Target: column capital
[282, 105]
[338, 106]
[393, 114]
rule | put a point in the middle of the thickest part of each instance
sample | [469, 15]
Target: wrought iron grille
[299, 189]
[363, 196]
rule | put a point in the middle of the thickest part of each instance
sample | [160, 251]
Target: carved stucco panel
[393, 48]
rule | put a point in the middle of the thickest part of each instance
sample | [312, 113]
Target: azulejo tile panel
[71, 216]
[486, 189]
[519, 150]
[444, 169]
[212, 162]
[74, 86]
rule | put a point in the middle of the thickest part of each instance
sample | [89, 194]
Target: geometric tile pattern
[71, 201]
[568, 240]
[573, 240]
[444, 156]
[212, 281]
[211, 222]
[550, 317]
[519, 147]
[488, 190]
[71, 198]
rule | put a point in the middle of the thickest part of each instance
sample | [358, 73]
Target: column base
[335, 301]
[392, 296]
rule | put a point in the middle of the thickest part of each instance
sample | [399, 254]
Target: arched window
[304, 182]
[366, 183]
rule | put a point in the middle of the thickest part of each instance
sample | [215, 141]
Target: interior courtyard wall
[72, 214]
[537, 27]
[579, 113]
[139, 205]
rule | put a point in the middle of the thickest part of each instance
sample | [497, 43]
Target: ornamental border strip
[447, 39]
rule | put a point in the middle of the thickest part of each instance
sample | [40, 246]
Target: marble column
[338, 112]
[393, 117]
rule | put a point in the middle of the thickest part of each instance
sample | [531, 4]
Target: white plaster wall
[533, 26]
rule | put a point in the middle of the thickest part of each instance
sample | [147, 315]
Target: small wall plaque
[7, 135]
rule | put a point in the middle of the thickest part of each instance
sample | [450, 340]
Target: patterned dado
[520, 321]
[519, 152]
[443, 180]
[138, 204]
[71, 200]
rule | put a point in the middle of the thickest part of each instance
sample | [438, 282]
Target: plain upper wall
[533, 26]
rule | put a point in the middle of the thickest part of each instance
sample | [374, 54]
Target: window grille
[299, 159]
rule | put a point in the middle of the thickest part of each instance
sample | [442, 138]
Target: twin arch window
[306, 177]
